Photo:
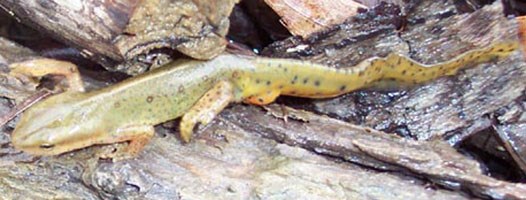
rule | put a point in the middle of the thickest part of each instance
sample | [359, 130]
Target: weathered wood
[224, 162]
[432, 111]
[91, 25]
[112, 32]
[240, 155]
[305, 17]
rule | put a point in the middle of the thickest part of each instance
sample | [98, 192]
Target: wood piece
[434, 160]
[223, 162]
[511, 129]
[91, 25]
[522, 32]
[439, 109]
[305, 17]
[230, 160]
[111, 32]
[11, 87]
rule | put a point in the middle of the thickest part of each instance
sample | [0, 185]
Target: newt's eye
[47, 146]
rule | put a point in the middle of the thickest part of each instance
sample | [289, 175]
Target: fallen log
[126, 31]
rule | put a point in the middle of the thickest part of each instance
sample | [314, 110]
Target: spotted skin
[199, 90]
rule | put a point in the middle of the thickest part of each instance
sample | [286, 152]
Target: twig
[23, 106]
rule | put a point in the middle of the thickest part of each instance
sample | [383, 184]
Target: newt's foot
[41, 67]
[138, 137]
[205, 110]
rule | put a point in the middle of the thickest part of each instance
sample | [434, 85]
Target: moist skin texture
[199, 90]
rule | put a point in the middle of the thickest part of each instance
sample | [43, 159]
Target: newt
[198, 90]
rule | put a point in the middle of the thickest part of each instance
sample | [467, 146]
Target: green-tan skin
[199, 90]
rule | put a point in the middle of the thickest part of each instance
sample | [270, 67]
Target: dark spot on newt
[500, 50]
[317, 83]
[279, 65]
[294, 80]
[218, 93]
[342, 88]
[285, 69]
[411, 64]
[292, 92]
[361, 73]
[305, 80]
[257, 81]
[268, 82]
[149, 99]
[260, 100]
[181, 88]
[404, 72]
[280, 86]
[399, 61]
[235, 74]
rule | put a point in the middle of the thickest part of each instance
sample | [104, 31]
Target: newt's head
[53, 126]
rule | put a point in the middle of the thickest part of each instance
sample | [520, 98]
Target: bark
[305, 17]
[247, 153]
[127, 31]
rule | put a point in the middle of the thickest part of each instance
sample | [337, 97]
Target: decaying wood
[249, 153]
[434, 160]
[449, 108]
[431, 111]
[511, 129]
[111, 32]
[305, 17]
[11, 87]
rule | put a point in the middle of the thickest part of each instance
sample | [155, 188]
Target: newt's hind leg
[204, 110]
[138, 137]
[41, 67]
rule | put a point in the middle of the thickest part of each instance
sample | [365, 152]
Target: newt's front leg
[44, 66]
[204, 110]
[138, 137]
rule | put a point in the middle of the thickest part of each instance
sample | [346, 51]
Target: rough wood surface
[111, 32]
[92, 25]
[305, 17]
[250, 153]
[442, 109]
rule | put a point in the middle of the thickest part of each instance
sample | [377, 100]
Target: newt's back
[199, 90]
